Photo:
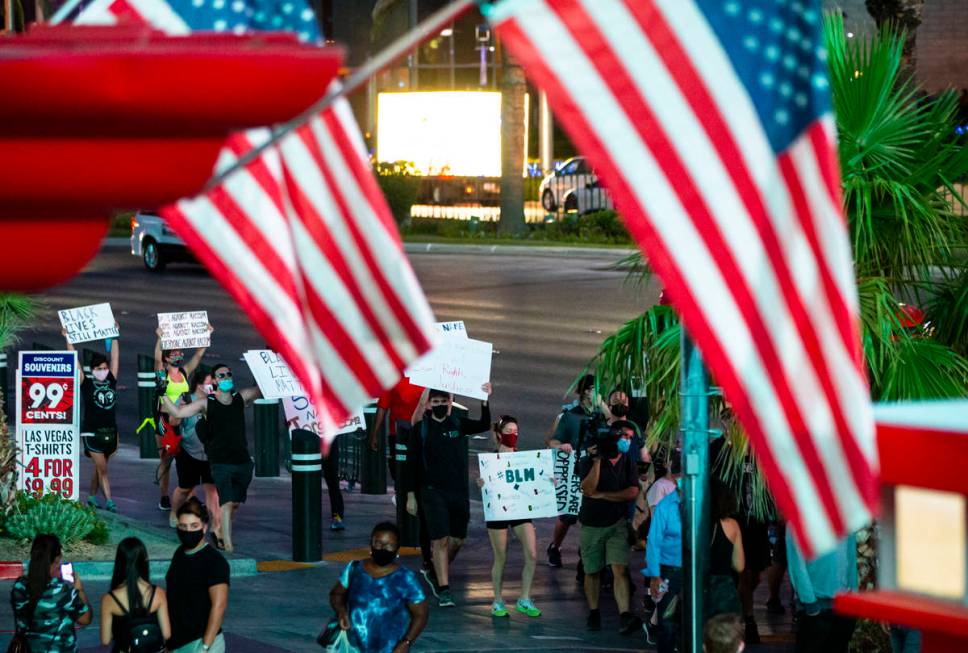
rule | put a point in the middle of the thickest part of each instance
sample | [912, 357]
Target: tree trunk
[906, 14]
[513, 88]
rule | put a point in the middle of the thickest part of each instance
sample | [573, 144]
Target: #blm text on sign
[272, 374]
[301, 414]
[48, 423]
[86, 323]
[188, 330]
[568, 488]
[519, 485]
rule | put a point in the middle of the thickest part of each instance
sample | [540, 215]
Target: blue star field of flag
[241, 16]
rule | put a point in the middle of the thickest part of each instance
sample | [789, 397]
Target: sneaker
[628, 623]
[498, 609]
[92, 501]
[526, 606]
[430, 577]
[752, 631]
[110, 507]
[337, 524]
[445, 600]
[594, 621]
[775, 606]
[650, 629]
[164, 504]
[554, 556]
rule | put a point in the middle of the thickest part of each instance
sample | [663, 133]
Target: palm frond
[924, 369]
[948, 312]
[16, 313]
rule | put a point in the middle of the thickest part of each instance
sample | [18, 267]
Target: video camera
[595, 432]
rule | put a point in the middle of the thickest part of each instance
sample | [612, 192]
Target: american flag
[710, 122]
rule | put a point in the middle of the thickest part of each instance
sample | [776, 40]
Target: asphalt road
[545, 315]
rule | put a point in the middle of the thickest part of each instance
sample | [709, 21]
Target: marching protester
[45, 605]
[436, 459]
[99, 426]
[663, 568]
[134, 613]
[225, 442]
[569, 436]
[191, 461]
[506, 441]
[198, 586]
[171, 368]
[609, 484]
[379, 601]
[726, 555]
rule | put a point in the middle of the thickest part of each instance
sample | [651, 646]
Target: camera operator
[609, 483]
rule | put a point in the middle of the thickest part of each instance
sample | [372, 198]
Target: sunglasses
[223, 375]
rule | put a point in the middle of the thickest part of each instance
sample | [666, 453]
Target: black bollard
[409, 526]
[147, 428]
[374, 468]
[266, 437]
[307, 497]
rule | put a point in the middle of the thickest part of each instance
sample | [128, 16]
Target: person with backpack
[171, 368]
[198, 586]
[134, 613]
[45, 605]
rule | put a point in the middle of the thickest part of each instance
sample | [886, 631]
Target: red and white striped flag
[710, 123]
[303, 239]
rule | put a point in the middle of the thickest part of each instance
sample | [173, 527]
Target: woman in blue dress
[380, 603]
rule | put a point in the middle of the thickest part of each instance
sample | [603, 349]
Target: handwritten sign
[463, 365]
[427, 363]
[273, 376]
[86, 323]
[568, 489]
[519, 485]
[301, 414]
[188, 330]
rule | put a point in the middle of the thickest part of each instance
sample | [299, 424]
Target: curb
[102, 569]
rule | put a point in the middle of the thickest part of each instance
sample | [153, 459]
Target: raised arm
[159, 364]
[115, 355]
[421, 408]
[250, 394]
[196, 407]
[196, 358]
[70, 347]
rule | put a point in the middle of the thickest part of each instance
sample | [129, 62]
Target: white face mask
[208, 389]
[100, 375]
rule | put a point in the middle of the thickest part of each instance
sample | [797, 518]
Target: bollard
[409, 526]
[147, 428]
[307, 497]
[374, 466]
[266, 437]
[3, 378]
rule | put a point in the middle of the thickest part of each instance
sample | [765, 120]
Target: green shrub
[400, 184]
[68, 520]
[99, 534]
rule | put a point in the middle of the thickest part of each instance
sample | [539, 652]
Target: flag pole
[429, 27]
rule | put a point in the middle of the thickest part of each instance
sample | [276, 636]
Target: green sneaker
[110, 507]
[526, 606]
[92, 501]
[498, 609]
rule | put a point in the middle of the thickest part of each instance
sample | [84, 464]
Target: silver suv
[156, 243]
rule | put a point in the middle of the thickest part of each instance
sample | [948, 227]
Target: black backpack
[144, 633]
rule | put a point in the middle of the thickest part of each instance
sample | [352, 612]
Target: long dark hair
[43, 552]
[130, 566]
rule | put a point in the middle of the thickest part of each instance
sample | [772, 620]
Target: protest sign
[301, 414]
[427, 363]
[188, 330]
[48, 423]
[463, 365]
[519, 485]
[272, 375]
[86, 323]
[568, 489]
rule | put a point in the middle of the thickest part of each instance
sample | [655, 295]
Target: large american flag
[302, 236]
[710, 123]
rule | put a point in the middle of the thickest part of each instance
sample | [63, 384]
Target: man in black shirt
[609, 483]
[225, 443]
[436, 458]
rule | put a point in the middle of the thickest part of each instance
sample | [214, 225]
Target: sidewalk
[284, 610]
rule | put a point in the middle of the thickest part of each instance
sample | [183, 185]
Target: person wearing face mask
[609, 483]
[225, 443]
[198, 586]
[506, 441]
[663, 565]
[99, 426]
[171, 368]
[437, 459]
[191, 462]
[378, 601]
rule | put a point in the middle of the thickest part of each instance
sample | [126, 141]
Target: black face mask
[440, 411]
[618, 410]
[190, 539]
[382, 557]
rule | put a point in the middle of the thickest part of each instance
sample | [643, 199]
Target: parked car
[156, 243]
[588, 198]
[565, 188]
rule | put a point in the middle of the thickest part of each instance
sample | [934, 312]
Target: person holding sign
[437, 459]
[225, 443]
[506, 441]
[171, 367]
[99, 424]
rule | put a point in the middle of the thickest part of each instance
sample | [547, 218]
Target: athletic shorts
[103, 441]
[569, 520]
[447, 513]
[606, 545]
[232, 481]
[756, 544]
[192, 471]
[505, 524]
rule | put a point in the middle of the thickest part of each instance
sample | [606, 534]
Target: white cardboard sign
[86, 323]
[427, 363]
[519, 485]
[187, 330]
[462, 366]
[272, 375]
[568, 490]
[301, 414]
